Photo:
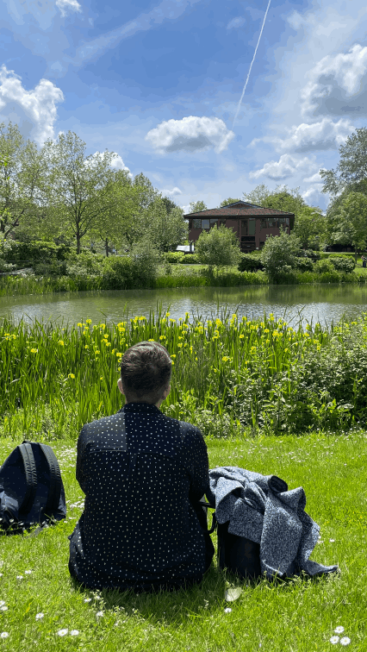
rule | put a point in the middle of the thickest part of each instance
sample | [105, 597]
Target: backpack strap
[30, 471]
[54, 492]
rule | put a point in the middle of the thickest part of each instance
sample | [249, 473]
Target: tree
[218, 247]
[279, 253]
[230, 200]
[169, 204]
[311, 228]
[350, 224]
[197, 206]
[352, 165]
[22, 176]
[166, 230]
[118, 222]
[79, 187]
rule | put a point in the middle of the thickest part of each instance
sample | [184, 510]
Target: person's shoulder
[101, 424]
[186, 429]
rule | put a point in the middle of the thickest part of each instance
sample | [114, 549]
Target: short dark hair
[146, 369]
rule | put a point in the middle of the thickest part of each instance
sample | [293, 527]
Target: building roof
[240, 209]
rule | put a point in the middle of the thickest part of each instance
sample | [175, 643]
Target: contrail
[244, 88]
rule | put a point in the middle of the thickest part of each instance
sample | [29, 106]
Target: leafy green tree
[169, 204]
[116, 223]
[350, 225]
[352, 166]
[279, 253]
[22, 176]
[218, 247]
[197, 206]
[79, 187]
[311, 228]
[230, 200]
[166, 230]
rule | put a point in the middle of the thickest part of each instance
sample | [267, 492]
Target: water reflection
[323, 303]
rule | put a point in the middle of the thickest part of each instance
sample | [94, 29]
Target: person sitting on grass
[143, 475]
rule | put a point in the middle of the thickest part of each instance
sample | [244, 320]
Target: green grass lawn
[298, 615]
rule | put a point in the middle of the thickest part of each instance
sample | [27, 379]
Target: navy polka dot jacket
[142, 474]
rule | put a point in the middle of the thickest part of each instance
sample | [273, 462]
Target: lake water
[323, 303]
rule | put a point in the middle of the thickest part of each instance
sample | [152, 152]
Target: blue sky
[159, 82]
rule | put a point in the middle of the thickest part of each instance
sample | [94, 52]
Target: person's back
[143, 474]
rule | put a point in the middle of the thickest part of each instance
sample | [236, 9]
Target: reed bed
[229, 377]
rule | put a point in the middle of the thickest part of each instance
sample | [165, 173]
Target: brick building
[250, 222]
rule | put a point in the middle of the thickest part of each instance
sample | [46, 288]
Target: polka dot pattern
[142, 473]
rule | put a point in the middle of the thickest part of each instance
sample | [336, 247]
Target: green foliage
[323, 265]
[174, 256]
[190, 259]
[117, 273]
[279, 253]
[230, 200]
[249, 263]
[304, 264]
[343, 264]
[218, 247]
[197, 206]
[23, 254]
[310, 227]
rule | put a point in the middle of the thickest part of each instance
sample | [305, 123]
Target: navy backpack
[31, 489]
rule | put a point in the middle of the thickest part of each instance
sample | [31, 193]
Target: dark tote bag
[31, 489]
[237, 554]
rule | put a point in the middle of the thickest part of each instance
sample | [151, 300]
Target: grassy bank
[230, 378]
[43, 609]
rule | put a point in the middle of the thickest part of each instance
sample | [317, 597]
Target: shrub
[304, 264]
[324, 266]
[190, 259]
[279, 253]
[249, 263]
[344, 264]
[174, 256]
[54, 268]
[38, 251]
[85, 263]
[218, 247]
[117, 273]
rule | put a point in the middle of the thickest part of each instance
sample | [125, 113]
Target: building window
[197, 224]
[205, 224]
[214, 221]
[251, 226]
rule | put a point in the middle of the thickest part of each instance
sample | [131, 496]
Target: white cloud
[285, 167]
[116, 163]
[67, 6]
[322, 135]
[236, 22]
[175, 191]
[338, 85]
[190, 134]
[33, 111]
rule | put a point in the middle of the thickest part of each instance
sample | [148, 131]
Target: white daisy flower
[28, 572]
[227, 610]
[19, 577]
[332, 540]
[334, 640]
[339, 630]
[4, 635]
[3, 608]
[39, 616]
[88, 600]
[74, 632]
[99, 614]
[97, 597]
[62, 632]
[345, 640]
[1, 574]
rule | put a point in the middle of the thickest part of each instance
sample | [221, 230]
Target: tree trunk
[77, 243]
[106, 246]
